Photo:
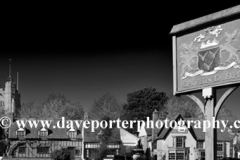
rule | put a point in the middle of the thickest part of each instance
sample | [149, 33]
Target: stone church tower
[10, 99]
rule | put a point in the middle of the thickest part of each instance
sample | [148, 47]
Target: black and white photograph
[139, 81]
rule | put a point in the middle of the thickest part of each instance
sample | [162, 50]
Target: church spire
[10, 62]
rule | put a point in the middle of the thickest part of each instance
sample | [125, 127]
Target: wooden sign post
[209, 113]
[206, 56]
[211, 110]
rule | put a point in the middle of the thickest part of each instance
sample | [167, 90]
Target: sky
[84, 54]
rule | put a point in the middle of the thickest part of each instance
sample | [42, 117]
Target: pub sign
[209, 57]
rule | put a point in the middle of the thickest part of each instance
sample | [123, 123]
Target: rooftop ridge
[205, 19]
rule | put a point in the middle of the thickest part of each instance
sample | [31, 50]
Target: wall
[31, 151]
[162, 145]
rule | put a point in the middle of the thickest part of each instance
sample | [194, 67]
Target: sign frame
[183, 29]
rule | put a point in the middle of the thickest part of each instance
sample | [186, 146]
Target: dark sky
[88, 51]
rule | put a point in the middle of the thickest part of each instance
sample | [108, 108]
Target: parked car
[138, 154]
[118, 157]
[229, 158]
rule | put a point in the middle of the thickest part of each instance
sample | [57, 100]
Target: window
[72, 134]
[20, 133]
[202, 154]
[180, 142]
[92, 145]
[113, 146]
[219, 157]
[176, 155]
[87, 153]
[219, 146]
[42, 150]
[180, 155]
[22, 149]
[43, 133]
[171, 156]
[77, 152]
[199, 144]
[110, 152]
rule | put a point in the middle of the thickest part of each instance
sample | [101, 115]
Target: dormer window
[43, 132]
[179, 141]
[21, 132]
[72, 133]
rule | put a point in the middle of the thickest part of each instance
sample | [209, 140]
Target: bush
[61, 154]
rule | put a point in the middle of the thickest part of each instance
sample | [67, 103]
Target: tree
[189, 109]
[55, 106]
[226, 114]
[105, 106]
[141, 104]
[29, 110]
[106, 136]
[237, 146]
[184, 106]
[102, 151]
[74, 111]
[103, 138]
[61, 154]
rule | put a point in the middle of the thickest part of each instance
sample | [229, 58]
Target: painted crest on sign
[211, 51]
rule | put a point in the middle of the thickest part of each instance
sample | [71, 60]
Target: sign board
[207, 57]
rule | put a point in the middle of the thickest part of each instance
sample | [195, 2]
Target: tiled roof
[92, 136]
[149, 131]
[53, 132]
[60, 133]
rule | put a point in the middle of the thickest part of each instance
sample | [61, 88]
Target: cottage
[40, 142]
[180, 142]
[184, 143]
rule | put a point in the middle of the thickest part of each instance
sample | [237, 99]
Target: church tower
[10, 98]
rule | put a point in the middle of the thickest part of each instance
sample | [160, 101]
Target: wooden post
[233, 152]
[174, 47]
[210, 133]
[211, 110]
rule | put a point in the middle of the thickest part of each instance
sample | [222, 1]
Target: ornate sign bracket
[210, 110]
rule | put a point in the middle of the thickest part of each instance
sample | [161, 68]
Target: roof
[148, 129]
[197, 133]
[59, 133]
[93, 136]
[53, 131]
[90, 136]
[206, 19]
[127, 138]
[223, 136]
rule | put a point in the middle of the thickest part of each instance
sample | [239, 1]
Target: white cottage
[182, 143]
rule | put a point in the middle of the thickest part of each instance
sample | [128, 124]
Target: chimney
[154, 118]
[85, 116]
